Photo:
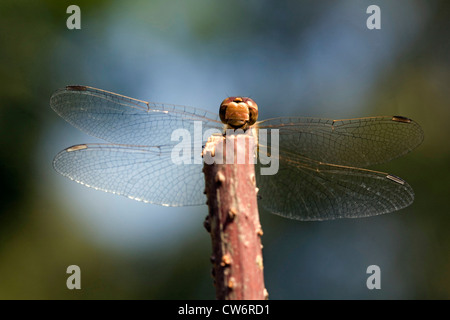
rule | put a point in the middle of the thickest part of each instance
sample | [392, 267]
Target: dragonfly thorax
[238, 112]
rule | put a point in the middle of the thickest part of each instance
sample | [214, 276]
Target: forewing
[355, 142]
[123, 120]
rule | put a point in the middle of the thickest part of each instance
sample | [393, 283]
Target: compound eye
[253, 115]
[253, 110]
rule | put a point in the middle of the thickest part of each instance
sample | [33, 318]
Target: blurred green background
[295, 58]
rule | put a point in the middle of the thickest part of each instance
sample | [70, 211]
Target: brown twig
[233, 221]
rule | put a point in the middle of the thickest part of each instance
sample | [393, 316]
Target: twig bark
[233, 220]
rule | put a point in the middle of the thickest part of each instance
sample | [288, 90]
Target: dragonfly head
[238, 112]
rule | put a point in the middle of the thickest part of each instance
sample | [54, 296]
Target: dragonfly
[323, 163]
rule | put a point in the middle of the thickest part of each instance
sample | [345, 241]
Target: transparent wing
[351, 142]
[306, 189]
[123, 120]
[142, 173]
